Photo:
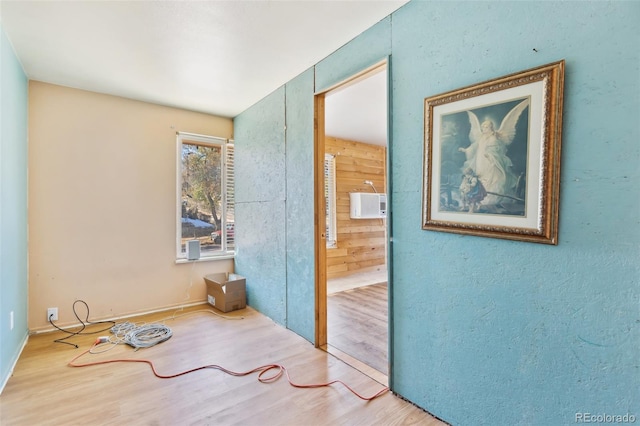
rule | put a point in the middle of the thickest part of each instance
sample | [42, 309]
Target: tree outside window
[205, 194]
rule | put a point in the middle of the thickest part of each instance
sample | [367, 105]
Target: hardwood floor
[357, 324]
[44, 390]
[357, 279]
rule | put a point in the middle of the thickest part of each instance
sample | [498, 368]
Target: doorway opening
[352, 285]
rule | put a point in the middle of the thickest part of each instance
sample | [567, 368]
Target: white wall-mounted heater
[365, 205]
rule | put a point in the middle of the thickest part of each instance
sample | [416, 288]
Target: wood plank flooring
[357, 324]
[44, 390]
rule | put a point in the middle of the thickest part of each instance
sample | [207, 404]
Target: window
[330, 199]
[205, 199]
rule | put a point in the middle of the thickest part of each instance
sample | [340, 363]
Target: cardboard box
[226, 291]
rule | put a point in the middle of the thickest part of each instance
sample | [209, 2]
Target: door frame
[320, 250]
[320, 213]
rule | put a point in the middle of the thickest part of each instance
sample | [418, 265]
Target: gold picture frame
[492, 157]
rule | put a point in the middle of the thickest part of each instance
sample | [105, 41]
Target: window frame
[227, 251]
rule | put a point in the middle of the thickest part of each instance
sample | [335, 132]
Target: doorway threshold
[376, 375]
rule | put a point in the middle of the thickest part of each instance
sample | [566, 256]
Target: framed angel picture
[492, 157]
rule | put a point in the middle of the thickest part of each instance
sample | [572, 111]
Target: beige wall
[102, 193]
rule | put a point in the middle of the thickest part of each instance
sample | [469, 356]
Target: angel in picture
[487, 155]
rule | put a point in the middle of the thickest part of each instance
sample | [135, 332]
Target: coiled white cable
[147, 335]
[122, 328]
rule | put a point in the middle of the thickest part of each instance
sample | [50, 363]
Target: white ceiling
[358, 112]
[218, 57]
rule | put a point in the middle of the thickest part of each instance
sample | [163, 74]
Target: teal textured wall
[13, 207]
[260, 205]
[489, 331]
[506, 332]
[299, 212]
[367, 49]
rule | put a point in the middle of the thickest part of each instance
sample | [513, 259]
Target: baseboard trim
[42, 330]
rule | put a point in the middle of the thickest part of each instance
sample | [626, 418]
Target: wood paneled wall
[361, 242]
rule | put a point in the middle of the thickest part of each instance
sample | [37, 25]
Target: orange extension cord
[261, 377]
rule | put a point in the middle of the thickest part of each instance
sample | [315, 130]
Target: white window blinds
[330, 199]
[229, 182]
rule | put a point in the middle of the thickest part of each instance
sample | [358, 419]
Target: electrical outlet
[11, 320]
[52, 314]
